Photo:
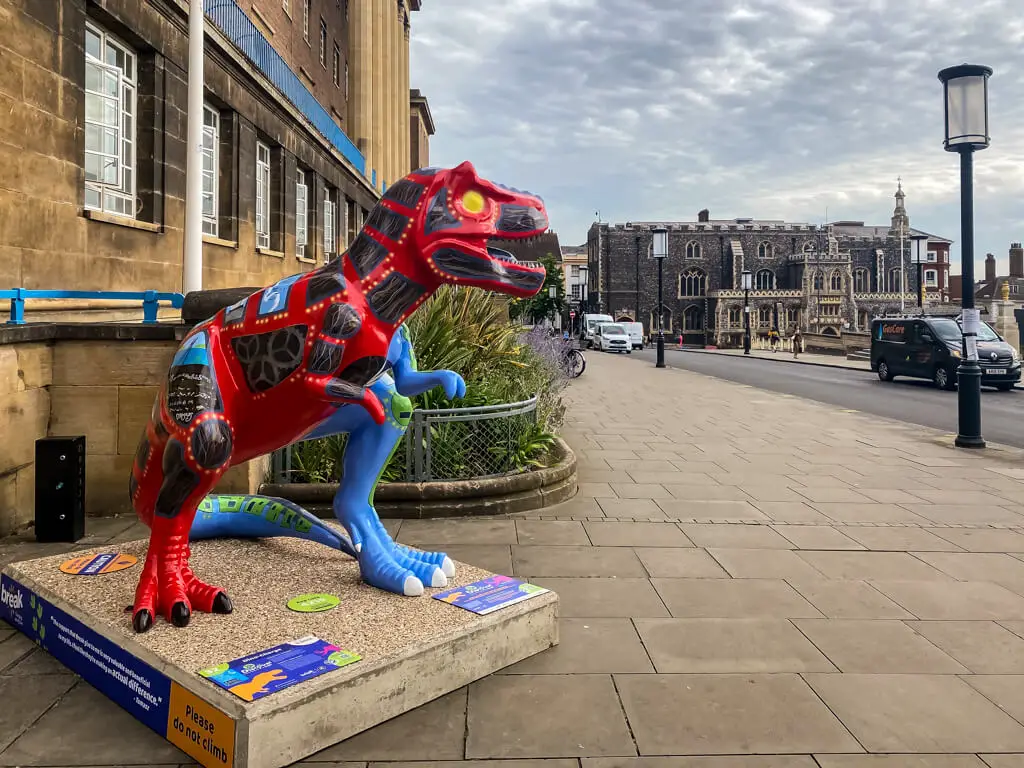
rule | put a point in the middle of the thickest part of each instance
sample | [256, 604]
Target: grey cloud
[774, 108]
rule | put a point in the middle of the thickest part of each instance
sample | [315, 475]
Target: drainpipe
[192, 264]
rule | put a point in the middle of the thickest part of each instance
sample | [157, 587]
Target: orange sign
[95, 565]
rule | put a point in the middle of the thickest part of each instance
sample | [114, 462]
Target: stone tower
[990, 268]
[1016, 260]
[900, 220]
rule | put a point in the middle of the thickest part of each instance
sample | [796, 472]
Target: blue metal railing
[232, 21]
[150, 300]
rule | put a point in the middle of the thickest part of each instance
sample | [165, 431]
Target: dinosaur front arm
[409, 381]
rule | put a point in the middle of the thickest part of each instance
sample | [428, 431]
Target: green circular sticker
[313, 603]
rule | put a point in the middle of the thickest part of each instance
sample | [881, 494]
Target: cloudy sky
[654, 109]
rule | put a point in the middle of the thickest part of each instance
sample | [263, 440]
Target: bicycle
[575, 363]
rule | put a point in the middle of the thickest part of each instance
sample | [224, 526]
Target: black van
[929, 348]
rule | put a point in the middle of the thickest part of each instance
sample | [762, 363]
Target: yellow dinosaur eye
[473, 202]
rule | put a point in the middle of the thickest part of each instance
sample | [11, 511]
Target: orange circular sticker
[94, 565]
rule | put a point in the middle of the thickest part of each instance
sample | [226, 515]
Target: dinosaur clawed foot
[168, 588]
[397, 568]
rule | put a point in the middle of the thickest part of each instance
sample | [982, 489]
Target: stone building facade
[822, 279]
[93, 157]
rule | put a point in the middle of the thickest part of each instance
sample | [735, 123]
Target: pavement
[747, 580]
[786, 356]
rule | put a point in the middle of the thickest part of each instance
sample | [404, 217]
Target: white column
[192, 265]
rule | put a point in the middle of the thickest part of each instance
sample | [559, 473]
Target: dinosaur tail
[245, 517]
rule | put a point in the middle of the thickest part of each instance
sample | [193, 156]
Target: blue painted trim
[150, 300]
[373, 178]
[239, 29]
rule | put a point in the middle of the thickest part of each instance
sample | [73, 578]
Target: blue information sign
[490, 594]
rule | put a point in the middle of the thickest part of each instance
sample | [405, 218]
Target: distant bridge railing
[240, 30]
[150, 300]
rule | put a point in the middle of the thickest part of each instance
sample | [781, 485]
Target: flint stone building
[821, 279]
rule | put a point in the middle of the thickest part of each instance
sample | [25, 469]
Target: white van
[612, 337]
[636, 334]
[590, 322]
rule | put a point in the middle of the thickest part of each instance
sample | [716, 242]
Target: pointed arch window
[895, 283]
[735, 313]
[861, 280]
[692, 282]
[765, 280]
[693, 318]
[764, 250]
[836, 281]
[764, 316]
[819, 280]
[693, 250]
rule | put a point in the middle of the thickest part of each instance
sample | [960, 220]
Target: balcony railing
[240, 30]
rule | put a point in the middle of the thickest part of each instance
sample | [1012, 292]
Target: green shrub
[467, 331]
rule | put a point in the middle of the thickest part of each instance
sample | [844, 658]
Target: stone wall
[57, 381]
[49, 240]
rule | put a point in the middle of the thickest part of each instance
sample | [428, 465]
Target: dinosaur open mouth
[502, 268]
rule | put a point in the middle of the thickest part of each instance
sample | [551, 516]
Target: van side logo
[14, 600]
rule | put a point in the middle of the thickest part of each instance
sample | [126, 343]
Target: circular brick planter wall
[524, 492]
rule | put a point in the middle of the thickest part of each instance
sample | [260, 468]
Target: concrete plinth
[413, 650]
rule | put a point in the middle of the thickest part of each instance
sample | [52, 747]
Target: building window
[764, 250]
[577, 291]
[301, 215]
[764, 316]
[861, 280]
[346, 81]
[734, 315]
[895, 280]
[211, 152]
[262, 195]
[330, 223]
[819, 280]
[692, 283]
[306, 8]
[337, 66]
[830, 310]
[932, 257]
[110, 91]
[575, 271]
[286, 5]
[693, 319]
[792, 315]
[323, 43]
[765, 280]
[808, 248]
[836, 281]
[693, 250]
[931, 278]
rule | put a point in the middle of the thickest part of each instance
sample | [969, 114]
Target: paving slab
[615, 534]
[446, 532]
[729, 645]
[496, 558]
[817, 537]
[838, 599]
[638, 508]
[552, 532]
[764, 564]
[789, 512]
[917, 713]
[899, 761]
[679, 563]
[877, 646]
[976, 566]
[733, 599]
[955, 600]
[902, 539]
[520, 716]
[872, 566]
[728, 536]
[605, 597]
[1005, 691]
[730, 761]
[982, 539]
[1003, 761]
[729, 715]
[534, 561]
[712, 510]
[984, 647]
[589, 646]
[24, 704]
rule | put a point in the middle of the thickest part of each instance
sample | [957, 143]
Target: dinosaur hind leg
[168, 587]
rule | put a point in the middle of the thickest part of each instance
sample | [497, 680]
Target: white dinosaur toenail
[438, 579]
[413, 587]
[448, 567]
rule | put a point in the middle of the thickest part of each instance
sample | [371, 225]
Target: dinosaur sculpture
[272, 368]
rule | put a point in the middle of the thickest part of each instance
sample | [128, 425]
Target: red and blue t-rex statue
[312, 355]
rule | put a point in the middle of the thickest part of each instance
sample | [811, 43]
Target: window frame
[307, 9]
[336, 66]
[692, 250]
[125, 187]
[286, 6]
[301, 214]
[758, 281]
[695, 274]
[861, 280]
[330, 223]
[934, 282]
[323, 43]
[211, 151]
[264, 180]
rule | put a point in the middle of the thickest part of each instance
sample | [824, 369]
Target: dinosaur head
[457, 214]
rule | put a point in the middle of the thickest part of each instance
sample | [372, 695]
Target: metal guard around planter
[423, 462]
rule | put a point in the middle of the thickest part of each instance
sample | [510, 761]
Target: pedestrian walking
[773, 339]
[798, 342]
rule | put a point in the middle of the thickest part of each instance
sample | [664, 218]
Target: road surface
[911, 400]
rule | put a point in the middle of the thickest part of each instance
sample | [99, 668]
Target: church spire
[900, 219]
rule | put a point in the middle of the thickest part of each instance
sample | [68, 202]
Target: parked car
[612, 337]
[636, 334]
[929, 348]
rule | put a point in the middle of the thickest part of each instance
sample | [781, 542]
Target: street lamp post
[746, 282]
[965, 92]
[918, 240]
[584, 307]
[660, 252]
[553, 295]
